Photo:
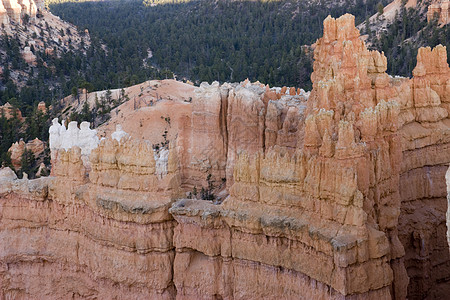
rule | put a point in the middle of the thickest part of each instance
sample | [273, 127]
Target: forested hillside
[213, 40]
[62, 60]
[408, 31]
[128, 42]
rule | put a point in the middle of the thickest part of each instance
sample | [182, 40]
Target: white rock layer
[83, 137]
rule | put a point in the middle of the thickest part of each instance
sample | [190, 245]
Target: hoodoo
[335, 194]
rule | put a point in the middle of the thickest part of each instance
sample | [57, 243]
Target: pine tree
[28, 162]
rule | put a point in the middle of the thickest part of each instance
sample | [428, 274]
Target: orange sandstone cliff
[337, 194]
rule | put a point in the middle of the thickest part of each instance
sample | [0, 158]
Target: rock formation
[17, 149]
[29, 56]
[4, 19]
[440, 10]
[119, 133]
[240, 117]
[15, 10]
[83, 137]
[9, 111]
[447, 179]
[336, 194]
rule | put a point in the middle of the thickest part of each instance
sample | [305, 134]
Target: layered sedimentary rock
[357, 169]
[240, 117]
[337, 194]
[447, 179]
[210, 142]
[104, 234]
[310, 206]
[425, 134]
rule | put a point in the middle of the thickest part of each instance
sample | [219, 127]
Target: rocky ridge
[337, 194]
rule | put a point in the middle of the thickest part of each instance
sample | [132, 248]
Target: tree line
[214, 40]
[405, 35]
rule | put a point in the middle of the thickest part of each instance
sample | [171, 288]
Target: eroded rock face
[355, 177]
[9, 111]
[440, 10]
[337, 194]
[425, 140]
[17, 149]
[14, 10]
[315, 193]
[104, 234]
[240, 117]
[61, 138]
[447, 179]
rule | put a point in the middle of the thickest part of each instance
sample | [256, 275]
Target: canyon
[339, 193]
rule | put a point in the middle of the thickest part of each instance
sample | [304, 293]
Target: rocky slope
[337, 194]
[39, 34]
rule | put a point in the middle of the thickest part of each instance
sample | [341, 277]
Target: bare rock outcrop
[61, 138]
[230, 118]
[17, 149]
[315, 194]
[347, 179]
[440, 10]
[4, 19]
[90, 229]
[29, 56]
[209, 132]
[15, 10]
[447, 180]
[9, 111]
[336, 194]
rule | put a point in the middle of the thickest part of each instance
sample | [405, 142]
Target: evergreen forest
[212, 40]
[404, 36]
[198, 40]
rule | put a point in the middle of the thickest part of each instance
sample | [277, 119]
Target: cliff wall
[105, 236]
[337, 194]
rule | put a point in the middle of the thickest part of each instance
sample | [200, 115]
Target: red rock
[339, 195]
[8, 110]
[17, 149]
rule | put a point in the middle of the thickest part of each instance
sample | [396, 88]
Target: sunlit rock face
[335, 194]
[4, 18]
[353, 157]
[230, 118]
[102, 229]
